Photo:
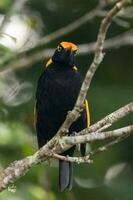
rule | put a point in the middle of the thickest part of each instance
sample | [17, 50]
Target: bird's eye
[59, 48]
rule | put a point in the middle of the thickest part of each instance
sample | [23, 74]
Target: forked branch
[55, 146]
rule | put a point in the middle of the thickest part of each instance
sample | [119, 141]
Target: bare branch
[19, 168]
[112, 43]
[107, 121]
[94, 136]
[108, 145]
[71, 27]
[26, 61]
[73, 159]
[74, 114]
[120, 134]
[103, 148]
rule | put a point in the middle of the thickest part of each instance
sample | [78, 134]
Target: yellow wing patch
[87, 113]
[75, 68]
[49, 62]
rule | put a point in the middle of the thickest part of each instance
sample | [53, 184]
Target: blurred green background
[111, 175]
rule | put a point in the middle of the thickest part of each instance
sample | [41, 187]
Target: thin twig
[72, 159]
[88, 157]
[108, 145]
[47, 39]
[94, 136]
[70, 27]
[26, 61]
[107, 121]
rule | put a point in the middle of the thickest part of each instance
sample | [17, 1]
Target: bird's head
[65, 53]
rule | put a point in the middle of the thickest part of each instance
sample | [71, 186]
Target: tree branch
[27, 60]
[94, 136]
[74, 114]
[107, 121]
[120, 135]
[72, 159]
[89, 157]
[71, 27]
[19, 168]
[108, 145]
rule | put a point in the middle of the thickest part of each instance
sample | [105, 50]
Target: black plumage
[57, 91]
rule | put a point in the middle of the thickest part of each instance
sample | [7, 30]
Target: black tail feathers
[83, 149]
[65, 175]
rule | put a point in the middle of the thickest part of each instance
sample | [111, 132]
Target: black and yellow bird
[57, 90]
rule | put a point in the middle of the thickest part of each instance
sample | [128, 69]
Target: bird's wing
[87, 113]
[38, 99]
[86, 124]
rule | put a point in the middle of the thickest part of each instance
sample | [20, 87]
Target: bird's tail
[65, 175]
